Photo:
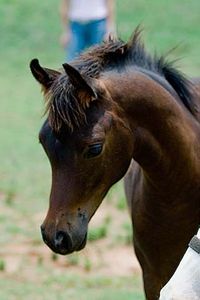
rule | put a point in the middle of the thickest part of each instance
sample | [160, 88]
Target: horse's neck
[163, 131]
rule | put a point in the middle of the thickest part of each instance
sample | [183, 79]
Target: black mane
[113, 54]
[116, 54]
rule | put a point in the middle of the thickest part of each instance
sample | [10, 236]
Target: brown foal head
[89, 149]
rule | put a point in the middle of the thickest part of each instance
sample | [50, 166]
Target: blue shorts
[84, 35]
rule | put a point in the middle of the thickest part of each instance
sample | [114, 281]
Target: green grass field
[31, 29]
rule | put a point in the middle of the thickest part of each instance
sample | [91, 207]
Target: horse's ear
[83, 85]
[43, 75]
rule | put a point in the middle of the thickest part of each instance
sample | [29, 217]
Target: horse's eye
[93, 150]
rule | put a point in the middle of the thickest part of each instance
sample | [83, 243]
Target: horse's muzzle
[62, 242]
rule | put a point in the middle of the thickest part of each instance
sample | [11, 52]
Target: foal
[117, 109]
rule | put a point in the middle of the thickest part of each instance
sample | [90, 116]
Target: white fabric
[185, 283]
[87, 10]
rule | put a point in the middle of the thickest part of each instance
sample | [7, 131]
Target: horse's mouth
[70, 249]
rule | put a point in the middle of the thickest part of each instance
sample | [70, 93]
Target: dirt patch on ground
[97, 258]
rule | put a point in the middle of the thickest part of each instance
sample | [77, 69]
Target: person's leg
[77, 41]
[96, 32]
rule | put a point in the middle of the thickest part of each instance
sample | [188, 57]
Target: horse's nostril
[63, 241]
[59, 238]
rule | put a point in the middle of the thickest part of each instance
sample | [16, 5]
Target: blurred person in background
[85, 23]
